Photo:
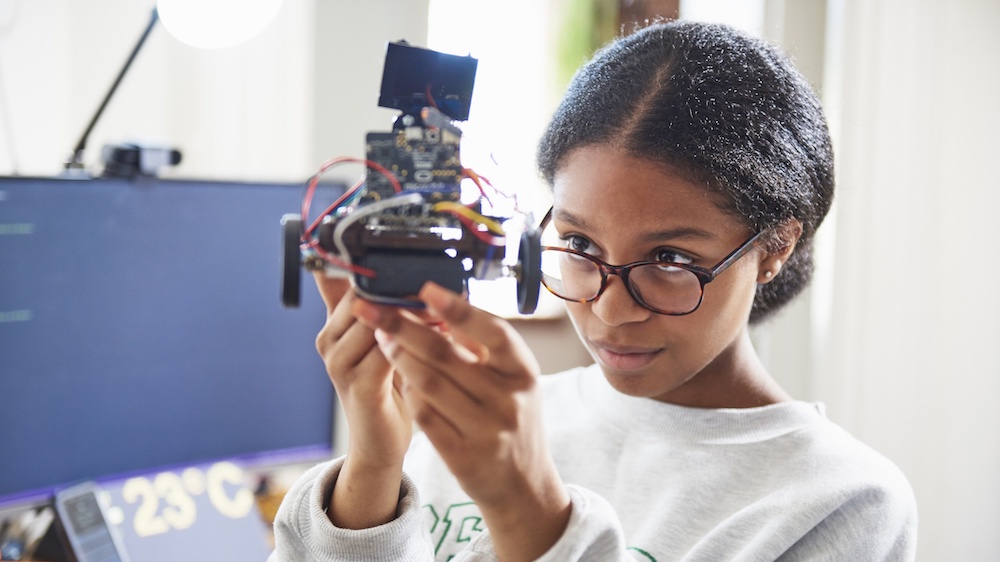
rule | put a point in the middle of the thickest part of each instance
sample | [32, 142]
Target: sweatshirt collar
[704, 425]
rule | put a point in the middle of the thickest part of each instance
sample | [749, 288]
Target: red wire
[307, 203]
[330, 258]
[314, 181]
[478, 179]
[340, 200]
[311, 191]
[430, 98]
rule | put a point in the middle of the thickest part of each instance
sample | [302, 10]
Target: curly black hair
[725, 109]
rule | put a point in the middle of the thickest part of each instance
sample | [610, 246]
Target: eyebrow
[682, 232]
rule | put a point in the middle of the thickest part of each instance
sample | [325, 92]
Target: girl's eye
[672, 256]
[578, 243]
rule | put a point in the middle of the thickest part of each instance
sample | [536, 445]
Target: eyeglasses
[663, 287]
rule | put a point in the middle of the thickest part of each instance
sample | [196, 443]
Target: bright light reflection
[216, 24]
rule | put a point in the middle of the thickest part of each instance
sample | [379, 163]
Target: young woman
[690, 167]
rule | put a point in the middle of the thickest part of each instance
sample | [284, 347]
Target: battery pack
[402, 274]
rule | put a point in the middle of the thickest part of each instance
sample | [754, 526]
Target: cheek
[695, 339]
[701, 337]
[578, 313]
[729, 298]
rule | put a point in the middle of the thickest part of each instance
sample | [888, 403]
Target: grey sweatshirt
[649, 482]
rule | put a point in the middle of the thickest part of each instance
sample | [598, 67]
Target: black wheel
[529, 275]
[291, 261]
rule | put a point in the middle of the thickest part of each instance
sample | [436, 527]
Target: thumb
[331, 289]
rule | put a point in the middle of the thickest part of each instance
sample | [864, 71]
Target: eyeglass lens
[667, 289]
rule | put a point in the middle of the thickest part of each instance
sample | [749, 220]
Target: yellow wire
[460, 209]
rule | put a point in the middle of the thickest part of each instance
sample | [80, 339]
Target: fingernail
[435, 296]
[367, 312]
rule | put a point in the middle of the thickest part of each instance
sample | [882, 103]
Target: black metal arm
[75, 161]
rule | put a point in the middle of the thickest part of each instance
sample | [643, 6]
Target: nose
[616, 306]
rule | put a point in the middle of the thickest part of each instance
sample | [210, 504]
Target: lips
[623, 358]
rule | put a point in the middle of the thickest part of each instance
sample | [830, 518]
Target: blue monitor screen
[141, 326]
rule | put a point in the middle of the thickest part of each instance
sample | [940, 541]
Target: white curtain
[910, 361]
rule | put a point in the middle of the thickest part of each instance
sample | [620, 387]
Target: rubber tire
[291, 261]
[529, 277]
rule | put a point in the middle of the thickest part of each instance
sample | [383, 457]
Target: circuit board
[423, 159]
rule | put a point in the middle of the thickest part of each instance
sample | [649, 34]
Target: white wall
[273, 108]
[911, 363]
[350, 43]
[236, 113]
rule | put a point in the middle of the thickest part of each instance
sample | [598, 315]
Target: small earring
[767, 274]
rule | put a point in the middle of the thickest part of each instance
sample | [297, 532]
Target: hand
[367, 491]
[475, 395]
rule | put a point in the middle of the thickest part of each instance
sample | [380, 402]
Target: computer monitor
[141, 327]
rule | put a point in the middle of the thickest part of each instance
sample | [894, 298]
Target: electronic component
[132, 159]
[90, 535]
[406, 223]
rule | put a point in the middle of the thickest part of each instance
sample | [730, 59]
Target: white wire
[411, 198]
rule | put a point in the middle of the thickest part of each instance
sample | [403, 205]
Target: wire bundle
[484, 228]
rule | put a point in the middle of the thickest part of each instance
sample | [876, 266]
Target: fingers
[493, 340]
[346, 345]
[449, 377]
[339, 317]
[431, 386]
[424, 413]
[424, 342]
[483, 339]
[331, 289]
[452, 381]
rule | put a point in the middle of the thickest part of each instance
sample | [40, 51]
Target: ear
[778, 247]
